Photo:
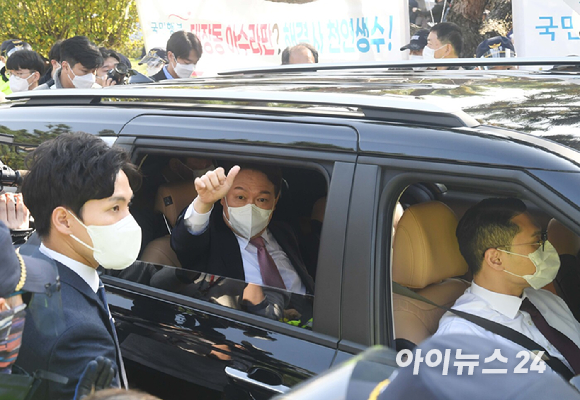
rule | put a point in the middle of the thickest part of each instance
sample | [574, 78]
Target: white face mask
[249, 220]
[429, 53]
[547, 264]
[183, 70]
[83, 81]
[18, 84]
[115, 246]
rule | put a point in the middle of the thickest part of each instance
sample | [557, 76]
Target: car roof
[529, 101]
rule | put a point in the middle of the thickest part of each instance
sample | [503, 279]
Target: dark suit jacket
[159, 76]
[87, 334]
[217, 251]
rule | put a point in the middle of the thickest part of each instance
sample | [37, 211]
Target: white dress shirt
[88, 274]
[505, 309]
[197, 224]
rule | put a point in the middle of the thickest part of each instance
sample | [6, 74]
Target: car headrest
[425, 249]
[172, 198]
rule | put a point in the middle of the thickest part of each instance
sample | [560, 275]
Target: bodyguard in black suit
[78, 190]
[183, 51]
[86, 335]
[222, 243]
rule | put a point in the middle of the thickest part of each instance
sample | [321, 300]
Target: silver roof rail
[447, 62]
[381, 107]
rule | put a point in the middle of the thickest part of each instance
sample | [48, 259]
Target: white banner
[248, 33]
[546, 28]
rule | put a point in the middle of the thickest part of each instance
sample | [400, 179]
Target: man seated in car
[227, 230]
[511, 260]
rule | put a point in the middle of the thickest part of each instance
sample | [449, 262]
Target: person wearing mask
[444, 41]
[54, 60]
[110, 60]
[9, 47]
[511, 260]
[417, 44]
[78, 191]
[302, 53]
[183, 52]
[79, 61]
[496, 47]
[25, 69]
[155, 59]
[227, 230]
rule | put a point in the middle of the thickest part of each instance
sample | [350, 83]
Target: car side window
[292, 237]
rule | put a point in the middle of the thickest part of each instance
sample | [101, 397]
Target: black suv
[355, 145]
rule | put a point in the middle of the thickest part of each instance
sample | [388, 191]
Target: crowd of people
[78, 63]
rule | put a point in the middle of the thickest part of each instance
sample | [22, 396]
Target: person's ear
[61, 220]
[36, 75]
[493, 259]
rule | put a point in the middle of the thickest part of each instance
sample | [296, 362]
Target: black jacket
[86, 335]
[217, 251]
[159, 76]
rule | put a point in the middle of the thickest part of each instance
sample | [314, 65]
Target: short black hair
[181, 43]
[449, 33]
[288, 50]
[25, 59]
[70, 170]
[54, 53]
[272, 172]
[106, 53]
[79, 49]
[487, 225]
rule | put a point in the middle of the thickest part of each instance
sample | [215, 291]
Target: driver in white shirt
[511, 261]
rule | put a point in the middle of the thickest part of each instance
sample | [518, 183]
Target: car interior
[427, 260]
[168, 188]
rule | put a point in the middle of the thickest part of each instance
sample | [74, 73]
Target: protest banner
[546, 28]
[246, 33]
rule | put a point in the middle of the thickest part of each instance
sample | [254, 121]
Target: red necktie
[567, 347]
[268, 270]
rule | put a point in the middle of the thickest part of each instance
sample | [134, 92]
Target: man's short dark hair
[288, 50]
[181, 43]
[106, 53]
[70, 170]
[79, 49]
[273, 173]
[449, 33]
[487, 225]
[25, 59]
[54, 53]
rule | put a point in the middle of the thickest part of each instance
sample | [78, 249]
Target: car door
[220, 349]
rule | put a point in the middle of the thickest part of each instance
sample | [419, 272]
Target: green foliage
[109, 23]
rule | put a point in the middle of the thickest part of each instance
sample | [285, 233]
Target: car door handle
[243, 376]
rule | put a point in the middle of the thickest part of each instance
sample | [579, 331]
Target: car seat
[426, 259]
[171, 200]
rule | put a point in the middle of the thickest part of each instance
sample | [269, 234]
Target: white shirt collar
[88, 274]
[503, 303]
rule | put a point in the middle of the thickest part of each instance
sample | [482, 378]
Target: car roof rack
[391, 108]
[393, 65]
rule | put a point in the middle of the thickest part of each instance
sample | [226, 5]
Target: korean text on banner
[546, 28]
[247, 33]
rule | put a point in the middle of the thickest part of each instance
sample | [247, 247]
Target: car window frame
[395, 175]
[161, 146]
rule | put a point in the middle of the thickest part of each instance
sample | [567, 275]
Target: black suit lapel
[227, 246]
[72, 279]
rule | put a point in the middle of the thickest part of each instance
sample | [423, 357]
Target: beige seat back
[425, 258]
[171, 200]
